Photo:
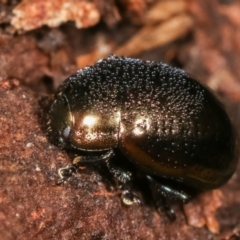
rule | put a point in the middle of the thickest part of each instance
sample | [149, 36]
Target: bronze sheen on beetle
[167, 126]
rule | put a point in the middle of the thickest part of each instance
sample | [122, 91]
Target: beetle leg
[163, 193]
[124, 179]
[66, 172]
[129, 198]
[163, 206]
[159, 199]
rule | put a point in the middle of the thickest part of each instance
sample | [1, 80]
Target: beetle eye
[66, 132]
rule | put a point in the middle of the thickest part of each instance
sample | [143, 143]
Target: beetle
[172, 129]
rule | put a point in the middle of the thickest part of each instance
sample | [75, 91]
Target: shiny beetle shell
[162, 120]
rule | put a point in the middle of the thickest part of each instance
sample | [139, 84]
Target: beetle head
[60, 121]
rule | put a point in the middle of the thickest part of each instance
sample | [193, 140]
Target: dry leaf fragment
[156, 36]
[163, 10]
[31, 14]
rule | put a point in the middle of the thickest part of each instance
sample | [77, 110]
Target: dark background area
[43, 42]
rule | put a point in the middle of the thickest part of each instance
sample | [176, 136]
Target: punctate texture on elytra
[162, 120]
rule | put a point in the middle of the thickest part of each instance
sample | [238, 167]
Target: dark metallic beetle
[169, 126]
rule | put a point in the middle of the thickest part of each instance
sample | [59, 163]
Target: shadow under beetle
[168, 125]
